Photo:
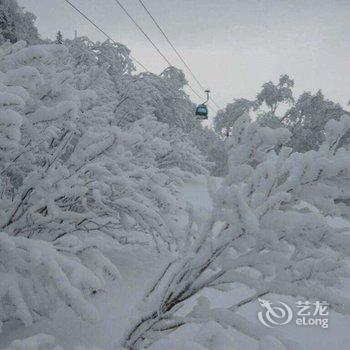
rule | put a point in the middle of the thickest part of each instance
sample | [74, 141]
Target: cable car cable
[153, 43]
[110, 38]
[174, 48]
[143, 32]
[171, 44]
[104, 33]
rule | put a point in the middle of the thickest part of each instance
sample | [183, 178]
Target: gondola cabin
[202, 112]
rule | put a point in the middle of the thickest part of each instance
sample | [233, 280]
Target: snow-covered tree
[213, 147]
[271, 101]
[223, 124]
[267, 230]
[160, 96]
[41, 342]
[226, 118]
[63, 176]
[75, 182]
[16, 24]
[276, 107]
[273, 95]
[44, 194]
[156, 147]
[59, 38]
[307, 118]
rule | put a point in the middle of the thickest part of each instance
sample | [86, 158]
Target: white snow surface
[138, 265]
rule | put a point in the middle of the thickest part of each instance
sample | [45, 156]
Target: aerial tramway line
[201, 111]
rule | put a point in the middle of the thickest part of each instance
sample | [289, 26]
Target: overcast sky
[233, 46]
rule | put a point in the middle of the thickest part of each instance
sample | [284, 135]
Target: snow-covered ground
[117, 303]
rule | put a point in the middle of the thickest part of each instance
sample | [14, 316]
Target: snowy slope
[137, 265]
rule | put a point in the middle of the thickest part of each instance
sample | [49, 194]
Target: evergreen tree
[59, 38]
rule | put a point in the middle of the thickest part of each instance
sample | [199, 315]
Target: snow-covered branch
[257, 235]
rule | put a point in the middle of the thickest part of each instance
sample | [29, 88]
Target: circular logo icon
[274, 315]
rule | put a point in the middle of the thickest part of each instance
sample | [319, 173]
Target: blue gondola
[202, 109]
